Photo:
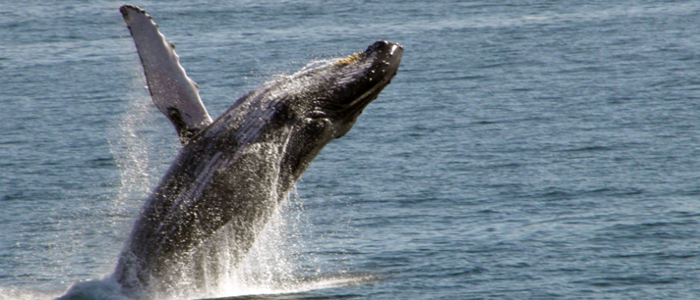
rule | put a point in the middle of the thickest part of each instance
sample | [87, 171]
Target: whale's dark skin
[233, 172]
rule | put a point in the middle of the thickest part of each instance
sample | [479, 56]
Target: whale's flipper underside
[175, 94]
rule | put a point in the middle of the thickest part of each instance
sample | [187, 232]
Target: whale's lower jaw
[232, 173]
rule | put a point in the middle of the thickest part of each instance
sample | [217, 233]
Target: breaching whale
[231, 173]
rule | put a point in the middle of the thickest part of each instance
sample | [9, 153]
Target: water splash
[277, 265]
[139, 149]
[269, 265]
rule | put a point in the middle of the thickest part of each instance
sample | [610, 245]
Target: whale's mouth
[381, 61]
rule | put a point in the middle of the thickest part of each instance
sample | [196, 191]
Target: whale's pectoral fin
[175, 94]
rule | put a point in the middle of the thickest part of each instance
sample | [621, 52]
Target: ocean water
[525, 150]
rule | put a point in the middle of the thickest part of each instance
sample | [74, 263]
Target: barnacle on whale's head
[351, 59]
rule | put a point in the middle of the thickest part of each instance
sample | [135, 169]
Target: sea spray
[139, 153]
[142, 149]
[269, 266]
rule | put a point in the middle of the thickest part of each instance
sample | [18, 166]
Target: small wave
[287, 290]
[337, 281]
[635, 280]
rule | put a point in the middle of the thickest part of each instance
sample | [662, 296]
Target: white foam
[16, 294]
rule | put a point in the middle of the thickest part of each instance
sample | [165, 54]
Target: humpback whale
[232, 172]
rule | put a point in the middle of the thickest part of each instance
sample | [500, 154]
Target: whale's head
[306, 110]
[343, 88]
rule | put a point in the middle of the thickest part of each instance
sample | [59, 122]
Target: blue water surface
[525, 150]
